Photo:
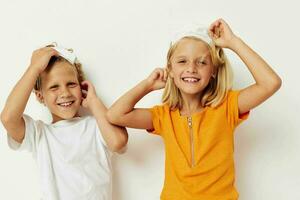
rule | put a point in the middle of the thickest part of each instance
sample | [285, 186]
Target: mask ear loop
[54, 44]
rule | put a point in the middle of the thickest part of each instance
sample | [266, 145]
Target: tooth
[65, 104]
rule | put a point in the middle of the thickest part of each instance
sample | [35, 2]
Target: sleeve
[157, 120]
[233, 116]
[29, 138]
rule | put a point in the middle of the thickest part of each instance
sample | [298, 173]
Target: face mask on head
[198, 31]
[67, 54]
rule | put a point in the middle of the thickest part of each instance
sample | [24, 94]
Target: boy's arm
[115, 137]
[12, 113]
[123, 113]
[267, 82]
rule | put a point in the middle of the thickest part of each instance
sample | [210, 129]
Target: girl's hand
[41, 57]
[221, 34]
[88, 94]
[157, 79]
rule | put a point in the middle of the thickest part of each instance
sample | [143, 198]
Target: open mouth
[190, 79]
[66, 104]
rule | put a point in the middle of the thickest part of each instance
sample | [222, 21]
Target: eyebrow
[201, 57]
[72, 82]
[53, 86]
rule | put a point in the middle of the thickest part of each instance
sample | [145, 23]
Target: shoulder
[87, 118]
[230, 98]
[89, 122]
[233, 94]
[160, 109]
[30, 122]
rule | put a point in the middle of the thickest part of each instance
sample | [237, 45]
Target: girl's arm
[267, 82]
[115, 137]
[12, 113]
[123, 113]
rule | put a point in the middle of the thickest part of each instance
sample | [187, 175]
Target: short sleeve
[233, 115]
[157, 116]
[29, 138]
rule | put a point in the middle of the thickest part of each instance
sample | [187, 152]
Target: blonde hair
[218, 86]
[77, 65]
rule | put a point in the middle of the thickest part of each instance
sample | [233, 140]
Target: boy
[73, 152]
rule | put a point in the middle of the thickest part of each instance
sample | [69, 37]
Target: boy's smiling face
[61, 91]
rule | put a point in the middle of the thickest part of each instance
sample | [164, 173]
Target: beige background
[119, 43]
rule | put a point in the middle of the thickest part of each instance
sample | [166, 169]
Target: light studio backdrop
[119, 44]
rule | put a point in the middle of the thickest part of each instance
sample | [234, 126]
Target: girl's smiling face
[61, 91]
[191, 66]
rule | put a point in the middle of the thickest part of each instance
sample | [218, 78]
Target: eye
[181, 61]
[202, 62]
[72, 84]
[53, 87]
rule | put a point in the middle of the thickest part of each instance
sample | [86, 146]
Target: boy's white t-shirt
[72, 157]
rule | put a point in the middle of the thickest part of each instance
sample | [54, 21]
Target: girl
[73, 152]
[199, 111]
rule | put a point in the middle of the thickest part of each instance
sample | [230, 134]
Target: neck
[191, 104]
[56, 118]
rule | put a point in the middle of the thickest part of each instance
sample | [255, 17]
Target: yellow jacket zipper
[191, 140]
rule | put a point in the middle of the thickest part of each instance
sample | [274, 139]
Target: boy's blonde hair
[52, 61]
[218, 86]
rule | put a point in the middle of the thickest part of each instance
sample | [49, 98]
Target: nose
[65, 92]
[192, 68]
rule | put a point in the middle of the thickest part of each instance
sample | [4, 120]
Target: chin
[191, 91]
[59, 117]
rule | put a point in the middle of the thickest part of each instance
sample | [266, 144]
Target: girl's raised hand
[157, 79]
[221, 33]
[41, 57]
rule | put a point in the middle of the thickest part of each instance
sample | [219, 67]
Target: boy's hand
[157, 79]
[41, 57]
[221, 34]
[88, 94]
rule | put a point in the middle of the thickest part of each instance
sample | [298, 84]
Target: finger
[53, 52]
[84, 94]
[210, 34]
[84, 85]
[222, 22]
[165, 75]
[85, 82]
[88, 86]
[156, 74]
[161, 74]
[213, 25]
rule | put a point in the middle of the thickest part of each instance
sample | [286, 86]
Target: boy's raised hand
[41, 57]
[88, 94]
[221, 33]
[157, 79]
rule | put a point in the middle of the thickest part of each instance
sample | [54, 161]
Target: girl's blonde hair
[218, 86]
[77, 65]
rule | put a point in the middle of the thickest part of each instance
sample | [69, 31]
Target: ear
[39, 96]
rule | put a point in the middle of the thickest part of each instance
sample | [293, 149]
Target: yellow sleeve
[157, 113]
[233, 110]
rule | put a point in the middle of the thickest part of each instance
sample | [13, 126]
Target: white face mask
[198, 31]
[66, 54]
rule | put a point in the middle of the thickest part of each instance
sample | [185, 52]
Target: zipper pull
[190, 121]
